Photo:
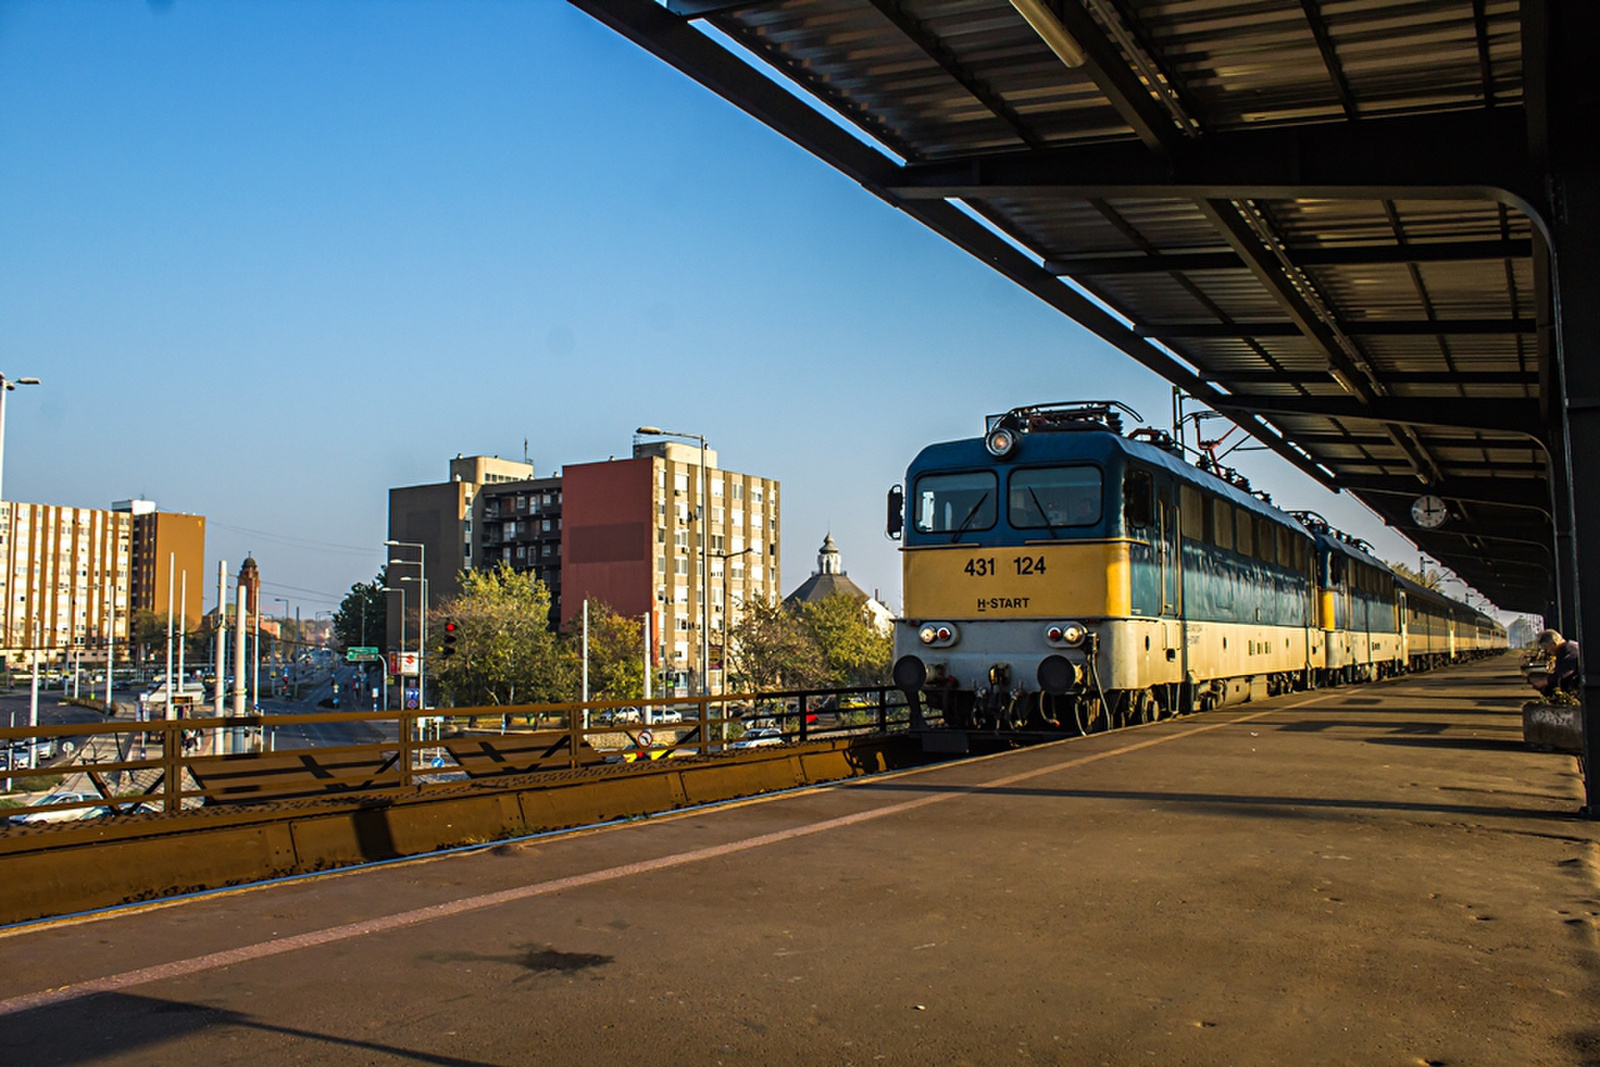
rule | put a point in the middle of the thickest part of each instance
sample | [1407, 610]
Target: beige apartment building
[71, 578]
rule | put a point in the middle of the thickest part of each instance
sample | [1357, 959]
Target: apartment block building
[441, 516]
[626, 532]
[632, 539]
[519, 523]
[71, 578]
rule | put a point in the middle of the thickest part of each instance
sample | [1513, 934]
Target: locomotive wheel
[1142, 708]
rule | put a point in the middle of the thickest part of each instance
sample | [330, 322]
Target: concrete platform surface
[1376, 874]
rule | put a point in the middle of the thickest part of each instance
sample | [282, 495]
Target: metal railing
[164, 766]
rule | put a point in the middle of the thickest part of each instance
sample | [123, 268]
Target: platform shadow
[1264, 806]
[101, 1026]
[1475, 744]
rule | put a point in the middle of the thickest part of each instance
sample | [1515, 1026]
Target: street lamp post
[705, 579]
[6, 386]
[421, 639]
[277, 646]
[402, 649]
[422, 617]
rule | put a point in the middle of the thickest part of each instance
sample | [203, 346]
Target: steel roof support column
[1558, 38]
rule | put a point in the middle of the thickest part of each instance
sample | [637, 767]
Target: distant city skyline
[270, 260]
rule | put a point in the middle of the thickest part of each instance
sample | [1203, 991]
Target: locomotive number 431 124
[985, 566]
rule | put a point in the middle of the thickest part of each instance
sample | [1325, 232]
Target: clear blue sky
[273, 258]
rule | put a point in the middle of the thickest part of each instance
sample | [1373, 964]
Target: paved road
[317, 686]
[1369, 875]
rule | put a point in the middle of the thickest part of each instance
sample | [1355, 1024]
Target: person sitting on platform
[1563, 676]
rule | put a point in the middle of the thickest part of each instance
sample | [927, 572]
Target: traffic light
[451, 632]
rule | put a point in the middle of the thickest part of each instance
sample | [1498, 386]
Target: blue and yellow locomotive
[1058, 574]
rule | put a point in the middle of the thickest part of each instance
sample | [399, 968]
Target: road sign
[646, 738]
[357, 653]
[404, 663]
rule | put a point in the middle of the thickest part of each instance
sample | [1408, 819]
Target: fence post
[883, 710]
[802, 705]
[574, 718]
[407, 724]
[172, 767]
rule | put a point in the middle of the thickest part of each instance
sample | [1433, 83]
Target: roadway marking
[294, 943]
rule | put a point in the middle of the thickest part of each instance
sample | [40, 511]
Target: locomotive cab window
[949, 502]
[1137, 486]
[1053, 497]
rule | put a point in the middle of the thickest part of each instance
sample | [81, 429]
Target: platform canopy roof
[1314, 216]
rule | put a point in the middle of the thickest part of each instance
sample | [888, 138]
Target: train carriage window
[949, 502]
[1052, 497]
[1137, 489]
[1286, 542]
[1266, 541]
[1221, 525]
[1245, 539]
[1194, 513]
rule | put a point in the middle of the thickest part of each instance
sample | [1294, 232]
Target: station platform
[1372, 874]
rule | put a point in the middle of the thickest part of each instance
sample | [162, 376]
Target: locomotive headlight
[1066, 634]
[1001, 442]
[938, 634]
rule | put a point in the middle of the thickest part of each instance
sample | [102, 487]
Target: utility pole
[222, 636]
[111, 637]
[172, 565]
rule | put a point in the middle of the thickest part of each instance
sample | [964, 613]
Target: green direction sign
[361, 652]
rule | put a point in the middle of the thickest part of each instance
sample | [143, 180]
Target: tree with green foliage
[149, 634]
[616, 652]
[363, 615]
[769, 649]
[504, 651]
[853, 651]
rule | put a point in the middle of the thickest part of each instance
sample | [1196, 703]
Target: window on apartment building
[546, 525]
[661, 564]
[755, 572]
[466, 550]
[681, 622]
[661, 535]
[716, 487]
[680, 483]
[716, 568]
[680, 565]
[738, 490]
[738, 517]
[522, 553]
[683, 512]
[717, 541]
[522, 502]
[738, 572]
[755, 494]
[680, 539]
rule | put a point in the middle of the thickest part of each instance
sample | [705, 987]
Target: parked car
[65, 815]
[627, 715]
[759, 737]
[669, 715]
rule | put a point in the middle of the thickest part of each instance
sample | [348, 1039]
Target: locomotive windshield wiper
[1043, 514]
[963, 527]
